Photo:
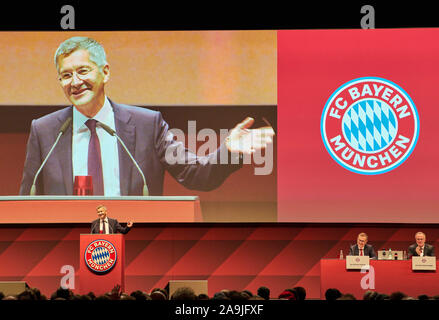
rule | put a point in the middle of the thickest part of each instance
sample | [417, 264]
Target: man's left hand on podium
[130, 224]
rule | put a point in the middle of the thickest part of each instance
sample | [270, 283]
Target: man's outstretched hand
[247, 141]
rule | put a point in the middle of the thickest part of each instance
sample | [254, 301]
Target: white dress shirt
[108, 143]
[102, 224]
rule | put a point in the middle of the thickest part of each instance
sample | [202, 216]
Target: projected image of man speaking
[91, 135]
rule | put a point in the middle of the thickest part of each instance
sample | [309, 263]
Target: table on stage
[389, 276]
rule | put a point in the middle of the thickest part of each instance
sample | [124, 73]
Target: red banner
[357, 128]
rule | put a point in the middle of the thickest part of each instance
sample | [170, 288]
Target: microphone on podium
[113, 133]
[62, 130]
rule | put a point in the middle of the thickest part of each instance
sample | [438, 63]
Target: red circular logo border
[86, 258]
[413, 138]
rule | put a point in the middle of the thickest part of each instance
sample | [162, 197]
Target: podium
[102, 263]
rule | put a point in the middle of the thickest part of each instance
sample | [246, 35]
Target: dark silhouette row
[187, 293]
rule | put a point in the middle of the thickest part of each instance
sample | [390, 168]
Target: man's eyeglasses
[81, 73]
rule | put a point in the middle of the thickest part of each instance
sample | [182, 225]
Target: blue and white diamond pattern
[369, 125]
[100, 255]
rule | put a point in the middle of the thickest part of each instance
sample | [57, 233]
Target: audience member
[250, 294]
[264, 292]
[82, 297]
[245, 295]
[65, 294]
[158, 295]
[184, 293]
[332, 294]
[288, 294]
[370, 295]
[382, 296]
[125, 296]
[91, 295]
[163, 291]
[138, 295]
[220, 296]
[300, 293]
[37, 294]
[236, 295]
[226, 292]
[347, 296]
[398, 295]
[27, 295]
[203, 296]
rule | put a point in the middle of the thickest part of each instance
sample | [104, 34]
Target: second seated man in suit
[106, 225]
[87, 149]
[362, 248]
[420, 248]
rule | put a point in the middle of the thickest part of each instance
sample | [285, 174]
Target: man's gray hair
[363, 234]
[95, 49]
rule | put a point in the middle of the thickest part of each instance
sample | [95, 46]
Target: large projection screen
[209, 80]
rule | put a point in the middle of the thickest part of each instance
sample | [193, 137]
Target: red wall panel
[312, 186]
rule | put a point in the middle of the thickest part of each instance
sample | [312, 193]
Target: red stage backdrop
[369, 96]
[228, 256]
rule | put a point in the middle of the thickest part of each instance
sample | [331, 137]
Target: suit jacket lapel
[64, 152]
[95, 228]
[112, 223]
[127, 134]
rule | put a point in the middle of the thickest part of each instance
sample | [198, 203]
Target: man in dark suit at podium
[420, 248]
[362, 248]
[107, 225]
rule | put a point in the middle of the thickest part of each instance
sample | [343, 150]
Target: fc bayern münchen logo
[100, 256]
[370, 125]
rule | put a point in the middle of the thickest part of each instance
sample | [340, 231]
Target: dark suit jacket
[428, 250]
[113, 227]
[144, 132]
[368, 251]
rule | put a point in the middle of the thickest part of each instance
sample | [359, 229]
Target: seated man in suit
[420, 248]
[362, 248]
[107, 225]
